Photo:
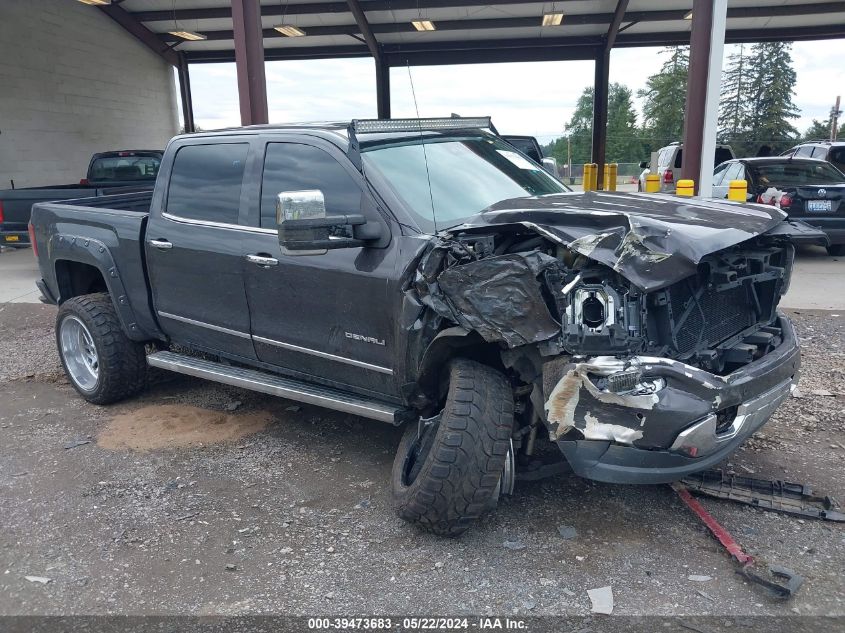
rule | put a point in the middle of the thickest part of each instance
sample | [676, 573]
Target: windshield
[116, 168]
[796, 174]
[467, 174]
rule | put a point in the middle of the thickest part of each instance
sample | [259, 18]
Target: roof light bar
[96, 2]
[424, 25]
[191, 36]
[370, 126]
[289, 30]
[552, 19]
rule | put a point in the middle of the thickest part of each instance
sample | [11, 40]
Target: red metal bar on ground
[713, 525]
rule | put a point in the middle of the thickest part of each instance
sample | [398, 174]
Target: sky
[535, 98]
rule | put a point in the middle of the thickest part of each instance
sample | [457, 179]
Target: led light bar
[552, 19]
[191, 36]
[370, 126]
[290, 30]
[96, 2]
[424, 25]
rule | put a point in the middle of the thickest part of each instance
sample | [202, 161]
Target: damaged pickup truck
[425, 273]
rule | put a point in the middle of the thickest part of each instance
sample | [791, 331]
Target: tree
[580, 128]
[623, 144]
[820, 131]
[734, 106]
[770, 93]
[665, 98]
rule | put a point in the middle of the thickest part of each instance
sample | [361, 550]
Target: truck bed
[16, 205]
[107, 233]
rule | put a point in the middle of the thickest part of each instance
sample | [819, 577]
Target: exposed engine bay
[628, 334]
[518, 288]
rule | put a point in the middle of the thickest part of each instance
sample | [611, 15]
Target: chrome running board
[276, 385]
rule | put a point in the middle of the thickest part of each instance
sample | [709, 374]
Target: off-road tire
[836, 249]
[461, 471]
[122, 362]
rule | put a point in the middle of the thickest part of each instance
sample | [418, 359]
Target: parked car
[669, 160]
[529, 146]
[108, 173]
[831, 151]
[422, 273]
[808, 189]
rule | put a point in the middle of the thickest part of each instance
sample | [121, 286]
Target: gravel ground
[288, 510]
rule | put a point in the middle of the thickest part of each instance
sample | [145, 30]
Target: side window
[837, 157]
[820, 152]
[679, 157]
[205, 182]
[734, 172]
[297, 167]
[719, 174]
[804, 150]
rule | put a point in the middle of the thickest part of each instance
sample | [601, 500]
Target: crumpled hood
[653, 240]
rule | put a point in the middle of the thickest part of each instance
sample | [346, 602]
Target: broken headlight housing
[600, 314]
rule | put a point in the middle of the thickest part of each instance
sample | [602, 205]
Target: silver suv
[669, 160]
[831, 151]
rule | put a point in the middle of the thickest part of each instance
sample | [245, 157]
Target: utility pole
[834, 120]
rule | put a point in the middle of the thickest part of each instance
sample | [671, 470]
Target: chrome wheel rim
[79, 353]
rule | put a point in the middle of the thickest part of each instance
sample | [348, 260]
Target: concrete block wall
[72, 83]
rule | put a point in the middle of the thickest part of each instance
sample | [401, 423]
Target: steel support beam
[249, 61]
[149, 39]
[698, 126]
[601, 91]
[383, 88]
[711, 98]
[185, 94]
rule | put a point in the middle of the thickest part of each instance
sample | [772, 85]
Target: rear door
[194, 247]
[328, 317]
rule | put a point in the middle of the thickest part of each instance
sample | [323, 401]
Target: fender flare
[440, 349]
[93, 252]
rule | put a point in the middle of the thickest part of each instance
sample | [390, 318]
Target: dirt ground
[195, 498]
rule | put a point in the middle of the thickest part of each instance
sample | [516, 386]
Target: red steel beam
[249, 61]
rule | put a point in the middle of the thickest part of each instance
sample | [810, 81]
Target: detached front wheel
[102, 363]
[449, 468]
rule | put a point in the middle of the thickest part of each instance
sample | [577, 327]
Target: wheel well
[444, 348]
[75, 279]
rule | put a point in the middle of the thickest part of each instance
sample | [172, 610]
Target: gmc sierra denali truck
[425, 273]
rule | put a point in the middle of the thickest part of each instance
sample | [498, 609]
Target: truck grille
[731, 295]
[705, 317]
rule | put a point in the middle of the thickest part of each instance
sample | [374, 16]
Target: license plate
[13, 238]
[819, 206]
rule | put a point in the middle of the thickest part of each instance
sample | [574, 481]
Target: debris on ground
[514, 544]
[746, 563]
[39, 579]
[567, 532]
[696, 578]
[75, 443]
[822, 392]
[779, 496]
[602, 599]
[231, 567]
[233, 406]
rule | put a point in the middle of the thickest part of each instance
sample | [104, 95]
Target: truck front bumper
[692, 422]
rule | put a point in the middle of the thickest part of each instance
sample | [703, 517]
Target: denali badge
[365, 339]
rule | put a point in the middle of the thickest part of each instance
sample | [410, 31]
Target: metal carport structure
[469, 32]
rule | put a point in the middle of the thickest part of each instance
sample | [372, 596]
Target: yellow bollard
[610, 172]
[594, 176]
[588, 178]
[652, 183]
[685, 188]
[738, 190]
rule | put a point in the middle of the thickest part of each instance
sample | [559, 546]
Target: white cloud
[529, 98]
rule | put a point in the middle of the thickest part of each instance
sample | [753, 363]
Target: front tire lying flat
[100, 361]
[445, 473]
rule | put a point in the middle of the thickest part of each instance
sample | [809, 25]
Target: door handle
[262, 260]
[162, 245]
